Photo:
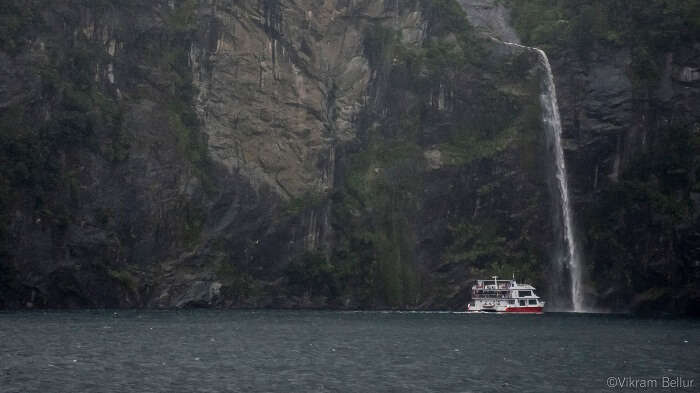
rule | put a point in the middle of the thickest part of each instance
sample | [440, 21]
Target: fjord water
[305, 351]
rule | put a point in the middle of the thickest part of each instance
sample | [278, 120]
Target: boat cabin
[504, 295]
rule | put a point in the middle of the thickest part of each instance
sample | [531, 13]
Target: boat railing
[493, 286]
[490, 296]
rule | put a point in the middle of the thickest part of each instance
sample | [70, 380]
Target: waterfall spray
[550, 109]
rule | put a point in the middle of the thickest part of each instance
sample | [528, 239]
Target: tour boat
[504, 296]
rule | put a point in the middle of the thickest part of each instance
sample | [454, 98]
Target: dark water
[287, 351]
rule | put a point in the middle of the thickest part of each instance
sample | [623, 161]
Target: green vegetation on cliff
[647, 27]
[476, 112]
[68, 135]
[375, 214]
[643, 234]
[15, 22]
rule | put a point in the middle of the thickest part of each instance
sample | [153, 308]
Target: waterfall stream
[550, 114]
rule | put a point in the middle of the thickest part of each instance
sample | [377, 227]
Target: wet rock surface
[302, 154]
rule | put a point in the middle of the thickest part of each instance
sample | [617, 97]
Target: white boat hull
[504, 296]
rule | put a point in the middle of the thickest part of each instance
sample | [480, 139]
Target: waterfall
[550, 114]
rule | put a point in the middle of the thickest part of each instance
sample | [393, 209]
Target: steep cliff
[278, 153]
[627, 76]
[262, 153]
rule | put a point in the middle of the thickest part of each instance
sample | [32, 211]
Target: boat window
[524, 293]
[533, 301]
[522, 302]
[511, 301]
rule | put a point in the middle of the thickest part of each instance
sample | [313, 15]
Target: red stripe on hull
[524, 309]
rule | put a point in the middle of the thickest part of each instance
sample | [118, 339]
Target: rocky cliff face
[633, 148]
[263, 153]
[274, 153]
[627, 91]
